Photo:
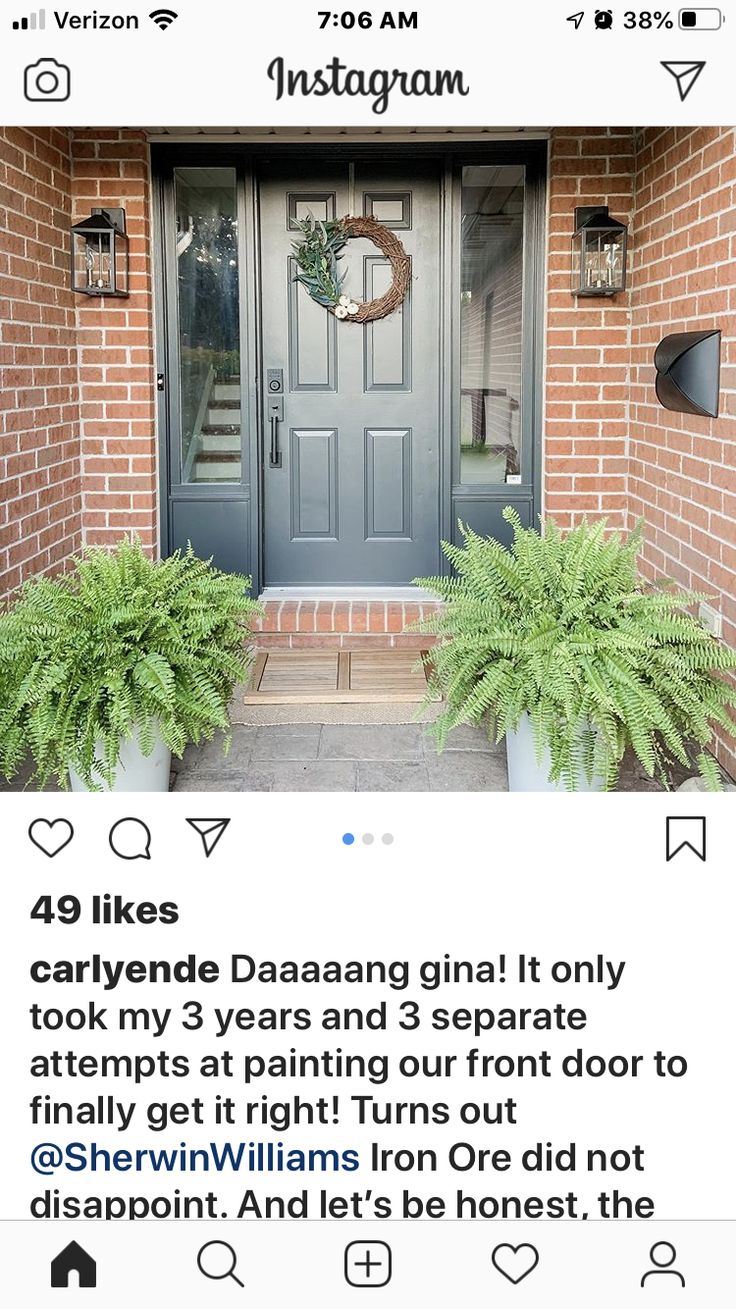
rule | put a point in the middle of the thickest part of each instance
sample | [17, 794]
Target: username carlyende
[378, 84]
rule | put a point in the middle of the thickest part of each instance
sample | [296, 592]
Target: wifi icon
[163, 18]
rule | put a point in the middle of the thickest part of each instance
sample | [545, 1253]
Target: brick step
[341, 624]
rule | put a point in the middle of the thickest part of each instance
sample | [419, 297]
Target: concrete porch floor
[334, 757]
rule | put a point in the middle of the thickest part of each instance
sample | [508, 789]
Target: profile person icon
[663, 1255]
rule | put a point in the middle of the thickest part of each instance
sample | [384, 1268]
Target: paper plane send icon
[685, 74]
[210, 830]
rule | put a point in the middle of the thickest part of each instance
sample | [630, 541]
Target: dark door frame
[478, 505]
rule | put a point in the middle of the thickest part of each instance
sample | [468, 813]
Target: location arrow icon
[577, 19]
[210, 830]
[685, 74]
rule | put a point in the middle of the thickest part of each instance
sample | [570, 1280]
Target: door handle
[275, 409]
[275, 460]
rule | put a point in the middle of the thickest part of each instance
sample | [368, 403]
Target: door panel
[388, 483]
[313, 491]
[356, 496]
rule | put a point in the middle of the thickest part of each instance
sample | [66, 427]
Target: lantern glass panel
[603, 266]
[120, 264]
[577, 263]
[598, 264]
[92, 263]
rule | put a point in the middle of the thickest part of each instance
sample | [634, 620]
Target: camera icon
[47, 80]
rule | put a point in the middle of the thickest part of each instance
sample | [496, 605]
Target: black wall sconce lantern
[100, 255]
[598, 252]
[689, 372]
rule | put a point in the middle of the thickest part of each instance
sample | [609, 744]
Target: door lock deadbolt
[275, 411]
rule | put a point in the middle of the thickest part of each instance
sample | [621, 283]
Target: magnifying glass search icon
[217, 1260]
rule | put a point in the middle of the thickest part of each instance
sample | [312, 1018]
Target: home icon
[73, 1259]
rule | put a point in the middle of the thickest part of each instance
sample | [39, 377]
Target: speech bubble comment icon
[130, 839]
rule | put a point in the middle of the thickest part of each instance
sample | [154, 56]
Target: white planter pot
[135, 771]
[525, 774]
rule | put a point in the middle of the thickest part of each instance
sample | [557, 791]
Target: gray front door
[356, 497]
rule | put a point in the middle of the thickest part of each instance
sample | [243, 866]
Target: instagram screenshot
[368, 655]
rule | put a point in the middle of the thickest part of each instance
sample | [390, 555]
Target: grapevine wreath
[319, 250]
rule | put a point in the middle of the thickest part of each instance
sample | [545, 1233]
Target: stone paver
[393, 757]
[190, 779]
[373, 742]
[384, 775]
[210, 756]
[319, 775]
[467, 770]
[273, 743]
[464, 738]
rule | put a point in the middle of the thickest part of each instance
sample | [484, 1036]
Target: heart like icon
[515, 1262]
[51, 837]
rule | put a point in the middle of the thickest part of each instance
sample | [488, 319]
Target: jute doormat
[341, 715]
[344, 677]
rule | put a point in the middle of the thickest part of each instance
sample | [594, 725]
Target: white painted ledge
[382, 594]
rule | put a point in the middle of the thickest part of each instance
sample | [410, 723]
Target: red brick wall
[77, 399]
[40, 501]
[586, 412]
[610, 449]
[118, 435]
[683, 469]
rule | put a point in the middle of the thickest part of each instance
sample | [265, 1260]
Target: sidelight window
[209, 324]
[491, 324]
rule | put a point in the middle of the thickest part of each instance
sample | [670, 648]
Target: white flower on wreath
[341, 311]
[344, 301]
[352, 307]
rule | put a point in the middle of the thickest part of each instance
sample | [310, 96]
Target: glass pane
[209, 330]
[491, 327]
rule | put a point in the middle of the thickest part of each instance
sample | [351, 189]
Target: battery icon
[701, 20]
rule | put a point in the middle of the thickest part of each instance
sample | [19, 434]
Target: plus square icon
[368, 1263]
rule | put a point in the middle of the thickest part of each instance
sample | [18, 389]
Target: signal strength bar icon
[33, 23]
[163, 18]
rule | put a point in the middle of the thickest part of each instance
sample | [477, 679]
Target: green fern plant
[119, 646]
[560, 627]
